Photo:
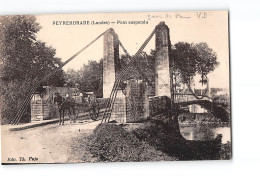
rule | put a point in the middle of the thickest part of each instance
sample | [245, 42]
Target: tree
[16, 46]
[24, 61]
[143, 68]
[192, 59]
[206, 60]
[183, 57]
[88, 78]
[72, 78]
[44, 62]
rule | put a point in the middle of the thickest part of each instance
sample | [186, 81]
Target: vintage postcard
[115, 87]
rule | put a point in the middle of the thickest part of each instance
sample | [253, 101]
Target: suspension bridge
[126, 102]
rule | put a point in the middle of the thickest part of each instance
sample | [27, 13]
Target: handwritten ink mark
[202, 14]
[178, 15]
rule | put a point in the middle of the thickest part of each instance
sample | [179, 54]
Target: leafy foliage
[187, 61]
[226, 151]
[24, 60]
[88, 78]
[183, 57]
[222, 100]
[164, 137]
[206, 60]
[192, 59]
[110, 142]
[143, 68]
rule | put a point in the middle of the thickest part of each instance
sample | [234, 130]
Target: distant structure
[220, 91]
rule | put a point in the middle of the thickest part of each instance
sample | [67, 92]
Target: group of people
[86, 99]
[69, 103]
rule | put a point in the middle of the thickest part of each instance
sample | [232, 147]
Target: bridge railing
[180, 98]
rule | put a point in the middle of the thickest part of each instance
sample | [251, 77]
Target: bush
[164, 137]
[158, 134]
[154, 140]
[226, 151]
[110, 142]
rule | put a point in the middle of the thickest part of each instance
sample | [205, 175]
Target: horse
[63, 105]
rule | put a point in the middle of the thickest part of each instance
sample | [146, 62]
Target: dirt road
[48, 144]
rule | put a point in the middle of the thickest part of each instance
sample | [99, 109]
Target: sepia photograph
[115, 87]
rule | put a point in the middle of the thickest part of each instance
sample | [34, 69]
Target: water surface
[203, 132]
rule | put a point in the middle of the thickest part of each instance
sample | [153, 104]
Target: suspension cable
[25, 103]
[123, 48]
[121, 74]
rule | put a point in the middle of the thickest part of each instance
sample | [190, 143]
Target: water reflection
[204, 132]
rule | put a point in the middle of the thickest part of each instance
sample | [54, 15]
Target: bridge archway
[217, 111]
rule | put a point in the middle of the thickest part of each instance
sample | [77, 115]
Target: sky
[206, 26]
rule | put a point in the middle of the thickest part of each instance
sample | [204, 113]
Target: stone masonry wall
[110, 61]
[119, 108]
[159, 105]
[163, 80]
[137, 102]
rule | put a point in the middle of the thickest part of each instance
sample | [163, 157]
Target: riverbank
[151, 141]
[209, 131]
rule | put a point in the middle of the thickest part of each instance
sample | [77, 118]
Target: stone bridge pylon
[129, 104]
[110, 61]
[163, 79]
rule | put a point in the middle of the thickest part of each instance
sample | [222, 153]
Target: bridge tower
[163, 79]
[110, 61]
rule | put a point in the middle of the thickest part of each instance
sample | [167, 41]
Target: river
[204, 132]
